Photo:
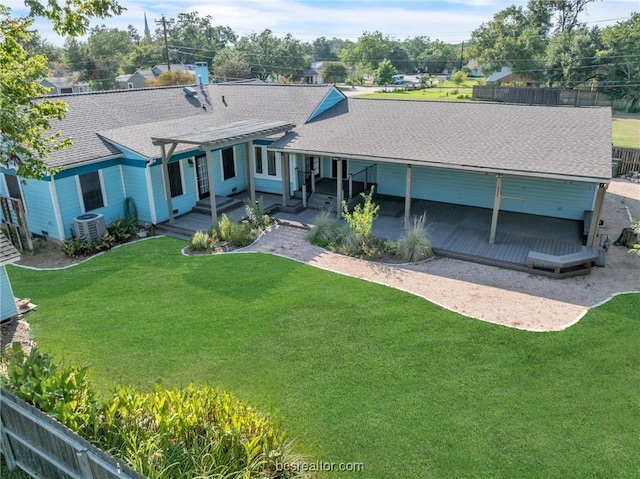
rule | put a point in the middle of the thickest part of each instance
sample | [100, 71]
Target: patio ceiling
[244, 130]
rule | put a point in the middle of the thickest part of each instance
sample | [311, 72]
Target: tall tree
[621, 61]
[25, 121]
[570, 57]
[384, 73]
[194, 38]
[272, 56]
[516, 38]
[368, 51]
[231, 65]
[334, 72]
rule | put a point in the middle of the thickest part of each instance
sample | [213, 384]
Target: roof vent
[189, 91]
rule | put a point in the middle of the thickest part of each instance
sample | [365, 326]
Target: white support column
[284, 172]
[407, 197]
[339, 188]
[251, 159]
[212, 192]
[597, 211]
[496, 209]
[165, 177]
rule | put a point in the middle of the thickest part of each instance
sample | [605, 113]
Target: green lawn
[447, 91]
[359, 371]
[626, 129]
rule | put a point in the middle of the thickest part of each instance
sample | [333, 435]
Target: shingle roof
[8, 254]
[534, 140]
[258, 101]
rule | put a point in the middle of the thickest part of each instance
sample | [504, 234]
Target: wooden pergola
[219, 137]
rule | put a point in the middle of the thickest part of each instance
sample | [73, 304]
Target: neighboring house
[64, 85]
[167, 149]
[506, 75]
[138, 79]
[313, 76]
[8, 255]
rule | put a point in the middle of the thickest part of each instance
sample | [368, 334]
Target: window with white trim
[271, 163]
[258, 156]
[91, 190]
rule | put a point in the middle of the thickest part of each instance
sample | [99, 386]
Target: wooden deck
[463, 232]
[456, 231]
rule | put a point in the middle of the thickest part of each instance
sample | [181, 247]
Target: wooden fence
[628, 159]
[545, 96]
[44, 448]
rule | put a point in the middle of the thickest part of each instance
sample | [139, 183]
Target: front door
[202, 177]
[334, 169]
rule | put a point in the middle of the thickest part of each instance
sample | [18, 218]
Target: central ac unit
[89, 227]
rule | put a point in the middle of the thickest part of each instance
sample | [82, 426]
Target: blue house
[8, 255]
[168, 148]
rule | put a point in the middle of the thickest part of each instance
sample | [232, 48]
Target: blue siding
[183, 203]
[453, 186]
[539, 196]
[391, 179]
[41, 217]
[135, 185]
[8, 307]
[239, 182]
[69, 198]
[268, 185]
[548, 197]
[334, 97]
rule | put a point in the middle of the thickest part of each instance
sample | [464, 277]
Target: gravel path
[511, 298]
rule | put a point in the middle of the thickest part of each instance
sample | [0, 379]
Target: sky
[448, 20]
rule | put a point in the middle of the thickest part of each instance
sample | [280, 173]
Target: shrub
[203, 241]
[76, 248]
[324, 231]
[123, 228]
[255, 214]
[360, 220]
[414, 244]
[234, 233]
[104, 243]
[63, 392]
[195, 431]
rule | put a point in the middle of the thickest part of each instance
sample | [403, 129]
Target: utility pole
[461, 55]
[163, 22]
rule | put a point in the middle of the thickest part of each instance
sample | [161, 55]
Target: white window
[91, 191]
[267, 163]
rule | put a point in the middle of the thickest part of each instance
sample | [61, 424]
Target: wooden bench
[585, 257]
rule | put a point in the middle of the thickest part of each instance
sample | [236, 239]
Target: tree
[437, 57]
[515, 37]
[459, 78]
[26, 140]
[384, 73]
[620, 61]
[368, 51]
[333, 72]
[323, 50]
[570, 57]
[194, 38]
[273, 56]
[172, 78]
[231, 65]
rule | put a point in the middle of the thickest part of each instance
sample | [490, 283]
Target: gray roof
[530, 140]
[146, 74]
[243, 101]
[8, 254]
[92, 118]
